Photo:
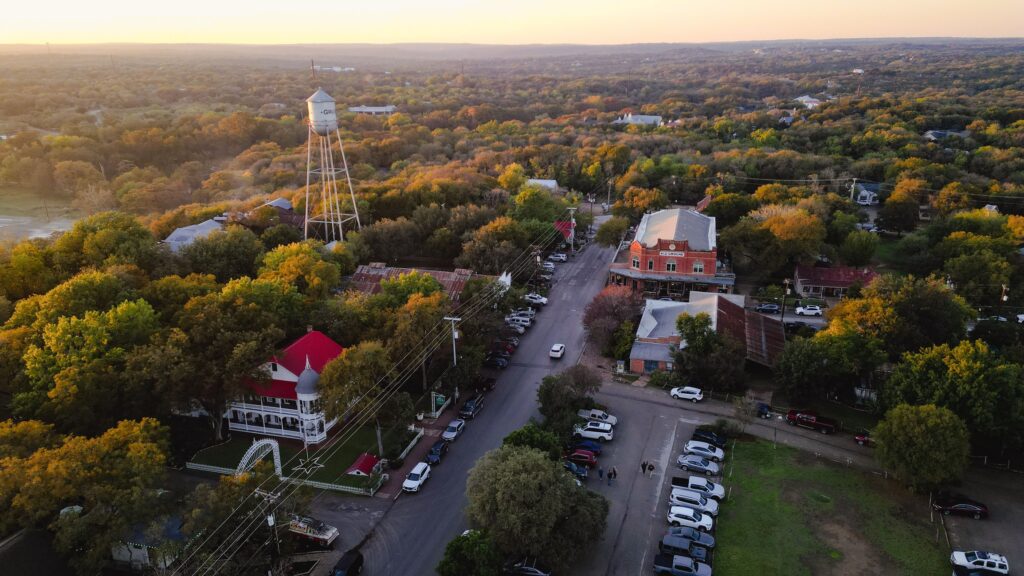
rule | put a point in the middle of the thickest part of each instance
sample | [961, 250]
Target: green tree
[985, 391]
[754, 249]
[351, 383]
[512, 178]
[226, 254]
[636, 201]
[414, 323]
[471, 554]
[925, 446]
[563, 394]
[168, 295]
[858, 248]
[302, 265]
[706, 358]
[530, 506]
[279, 235]
[728, 208]
[535, 202]
[22, 439]
[395, 292]
[612, 231]
[979, 276]
[104, 239]
[492, 247]
[899, 214]
[533, 436]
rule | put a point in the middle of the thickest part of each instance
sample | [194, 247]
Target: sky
[498, 21]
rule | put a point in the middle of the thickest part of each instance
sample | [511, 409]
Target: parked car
[534, 298]
[513, 340]
[583, 458]
[580, 472]
[978, 559]
[350, 564]
[472, 407]
[685, 516]
[598, 415]
[713, 453]
[496, 362]
[515, 328]
[594, 431]
[591, 445]
[557, 351]
[960, 505]
[687, 393]
[695, 500]
[526, 312]
[518, 321]
[453, 430]
[678, 546]
[809, 310]
[547, 266]
[768, 308]
[679, 566]
[437, 451]
[710, 436]
[527, 567]
[806, 419]
[864, 438]
[558, 257]
[503, 346]
[965, 571]
[485, 383]
[698, 537]
[416, 478]
[695, 463]
[501, 354]
[705, 487]
[995, 318]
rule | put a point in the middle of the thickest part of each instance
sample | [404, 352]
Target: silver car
[695, 463]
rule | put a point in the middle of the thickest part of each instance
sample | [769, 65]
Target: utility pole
[455, 355]
[853, 188]
[572, 230]
[783, 318]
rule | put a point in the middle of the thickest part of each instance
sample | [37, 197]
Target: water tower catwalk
[325, 218]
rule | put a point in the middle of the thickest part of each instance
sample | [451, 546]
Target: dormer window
[273, 366]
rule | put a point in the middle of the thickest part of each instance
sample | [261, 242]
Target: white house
[549, 184]
[641, 119]
[287, 405]
[866, 193]
[186, 235]
[808, 102]
[373, 110]
[142, 551]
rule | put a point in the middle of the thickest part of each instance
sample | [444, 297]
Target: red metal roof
[364, 464]
[314, 345]
[834, 277]
[564, 227]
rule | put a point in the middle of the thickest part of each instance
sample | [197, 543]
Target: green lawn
[788, 513]
[229, 454]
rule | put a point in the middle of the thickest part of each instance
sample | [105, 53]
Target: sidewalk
[432, 429]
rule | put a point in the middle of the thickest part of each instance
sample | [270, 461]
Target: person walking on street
[650, 468]
[643, 467]
[613, 473]
[600, 472]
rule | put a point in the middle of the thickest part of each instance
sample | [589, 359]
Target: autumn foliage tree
[612, 307]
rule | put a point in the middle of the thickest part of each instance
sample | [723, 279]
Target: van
[693, 499]
[518, 321]
[598, 415]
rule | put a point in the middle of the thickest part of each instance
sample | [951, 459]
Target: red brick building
[832, 282]
[674, 251]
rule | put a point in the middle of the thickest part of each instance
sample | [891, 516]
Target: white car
[695, 500]
[811, 310]
[988, 561]
[534, 298]
[687, 393]
[706, 487]
[686, 516]
[594, 431]
[557, 351]
[525, 313]
[705, 450]
[453, 430]
[417, 476]
[558, 257]
[598, 415]
[547, 267]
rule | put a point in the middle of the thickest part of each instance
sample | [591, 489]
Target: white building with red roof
[287, 404]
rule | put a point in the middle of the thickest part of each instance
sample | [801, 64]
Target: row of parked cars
[694, 503]
[420, 473]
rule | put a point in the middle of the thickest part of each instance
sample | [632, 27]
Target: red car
[806, 419]
[865, 439]
[583, 458]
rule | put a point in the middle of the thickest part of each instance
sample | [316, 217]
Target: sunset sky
[499, 22]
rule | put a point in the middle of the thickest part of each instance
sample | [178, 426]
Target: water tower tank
[321, 112]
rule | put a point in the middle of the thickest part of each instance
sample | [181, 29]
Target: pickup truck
[810, 420]
[680, 482]
[679, 566]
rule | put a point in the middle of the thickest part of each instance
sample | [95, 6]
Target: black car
[351, 563]
[496, 362]
[578, 471]
[711, 437]
[437, 451]
[501, 354]
[960, 505]
[472, 407]
[965, 571]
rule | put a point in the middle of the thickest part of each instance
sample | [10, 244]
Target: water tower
[325, 219]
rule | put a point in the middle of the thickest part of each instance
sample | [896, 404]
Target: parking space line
[664, 458]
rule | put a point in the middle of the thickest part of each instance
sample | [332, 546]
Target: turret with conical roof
[306, 387]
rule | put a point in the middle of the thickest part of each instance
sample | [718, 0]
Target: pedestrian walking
[643, 467]
[614, 473]
[650, 468]
[600, 472]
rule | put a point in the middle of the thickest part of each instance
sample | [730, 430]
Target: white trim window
[698, 266]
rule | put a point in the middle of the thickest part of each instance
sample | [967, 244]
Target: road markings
[666, 454]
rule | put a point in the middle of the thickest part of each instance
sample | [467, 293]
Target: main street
[411, 537]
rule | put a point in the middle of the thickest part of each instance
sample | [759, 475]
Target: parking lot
[1003, 493]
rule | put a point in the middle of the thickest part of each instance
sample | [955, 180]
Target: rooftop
[659, 317]
[186, 235]
[677, 224]
[368, 277]
[836, 276]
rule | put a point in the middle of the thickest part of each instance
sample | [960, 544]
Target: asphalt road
[412, 536]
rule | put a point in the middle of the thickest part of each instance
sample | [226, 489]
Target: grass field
[24, 213]
[788, 513]
[229, 454]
